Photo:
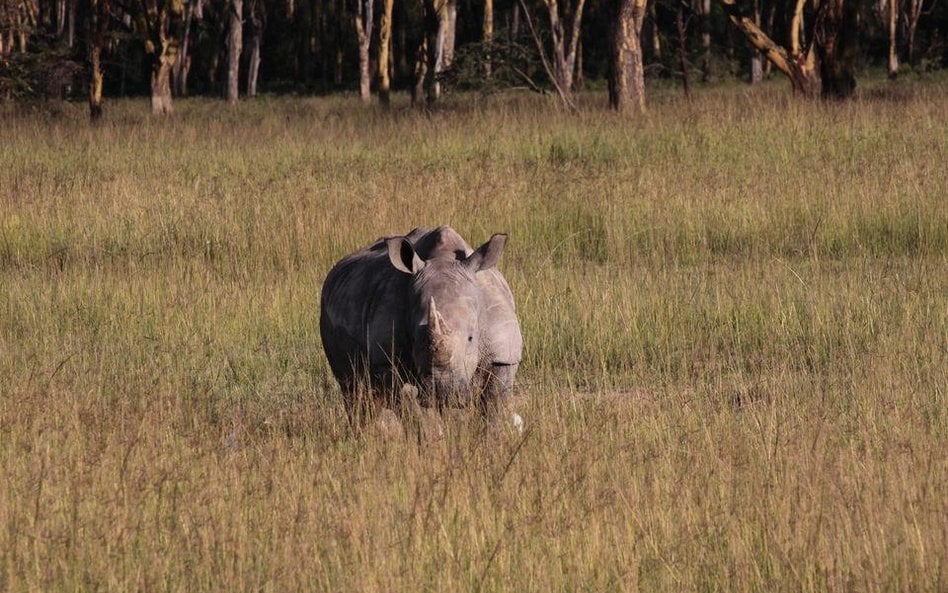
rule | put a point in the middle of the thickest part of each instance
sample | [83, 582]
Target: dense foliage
[312, 45]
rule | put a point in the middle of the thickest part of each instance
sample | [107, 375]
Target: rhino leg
[495, 402]
[360, 403]
[422, 420]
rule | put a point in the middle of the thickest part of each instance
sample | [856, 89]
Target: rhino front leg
[495, 403]
[421, 419]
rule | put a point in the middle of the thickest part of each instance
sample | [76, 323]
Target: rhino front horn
[435, 321]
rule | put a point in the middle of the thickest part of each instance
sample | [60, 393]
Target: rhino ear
[487, 255]
[403, 256]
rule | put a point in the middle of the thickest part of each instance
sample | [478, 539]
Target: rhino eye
[470, 338]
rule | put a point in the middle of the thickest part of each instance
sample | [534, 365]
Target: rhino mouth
[445, 392]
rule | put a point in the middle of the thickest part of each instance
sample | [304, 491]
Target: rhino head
[444, 309]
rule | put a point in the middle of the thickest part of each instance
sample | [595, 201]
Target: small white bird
[517, 422]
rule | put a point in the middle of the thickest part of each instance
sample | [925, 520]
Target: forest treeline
[234, 48]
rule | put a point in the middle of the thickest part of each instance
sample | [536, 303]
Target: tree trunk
[403, 65]
[385, 51]
[60, 18]
[655, 36]
[626, 80]
[914, 14]
[161, 84]
[488, 34]
[835, 41]
[183, 63]
[561, 66]
[253, 66]
[164, 26]
[893, 20]
[768, 66]
[235, 44]
[757, 60]
[71, 24]
[450, 33]
[98, 29]
[578, 78]
[435, 20]
[683, 49]
[705, 12]
[421, 74]
[515, 22]
[364, 24]
[798, 64]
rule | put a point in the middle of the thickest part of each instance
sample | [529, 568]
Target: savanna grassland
[736, 322]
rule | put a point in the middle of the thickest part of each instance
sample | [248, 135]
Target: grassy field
[736, 322]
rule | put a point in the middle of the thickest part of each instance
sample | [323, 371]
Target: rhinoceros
[423, 312]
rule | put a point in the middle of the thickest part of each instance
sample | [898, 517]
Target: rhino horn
[438, 329]
[435, 320]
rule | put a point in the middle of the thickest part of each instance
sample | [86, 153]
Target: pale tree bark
[257, 14]
[820, 63]
[385, 52]
[20, 19]
[182, 65]
[798, 63]
[71, 23]
[892, 22]
[564, 41]
[364, 24]
[514, 31]
[161, 22]
[913, 15]
[430, 58]
[421, 74]
[235, 45]
[450, 30]
[578, 79]
[99, 11]
[66, 18]
[161, 103]
[757, 59]
[488, 34]
[655, 36]
[626, 73]
[60, 18]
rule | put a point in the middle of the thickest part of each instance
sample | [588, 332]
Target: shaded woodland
[163, 49]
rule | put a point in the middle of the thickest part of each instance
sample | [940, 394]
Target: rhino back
[363, 310]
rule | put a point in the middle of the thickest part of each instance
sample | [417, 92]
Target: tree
[364, 23]
[235, 43]
[564, 41]
[194, 11]
[702, 8]
[385, 52]
[487, 35]
[798, 62]
[258, 18]
[626, 71]
[823, 64]
[835, 40]
[99, 14]
[439, 20]
[160, 23]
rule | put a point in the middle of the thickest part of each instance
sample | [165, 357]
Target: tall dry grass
[736, 323]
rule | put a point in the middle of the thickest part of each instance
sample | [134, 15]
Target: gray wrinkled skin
[422, 310]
